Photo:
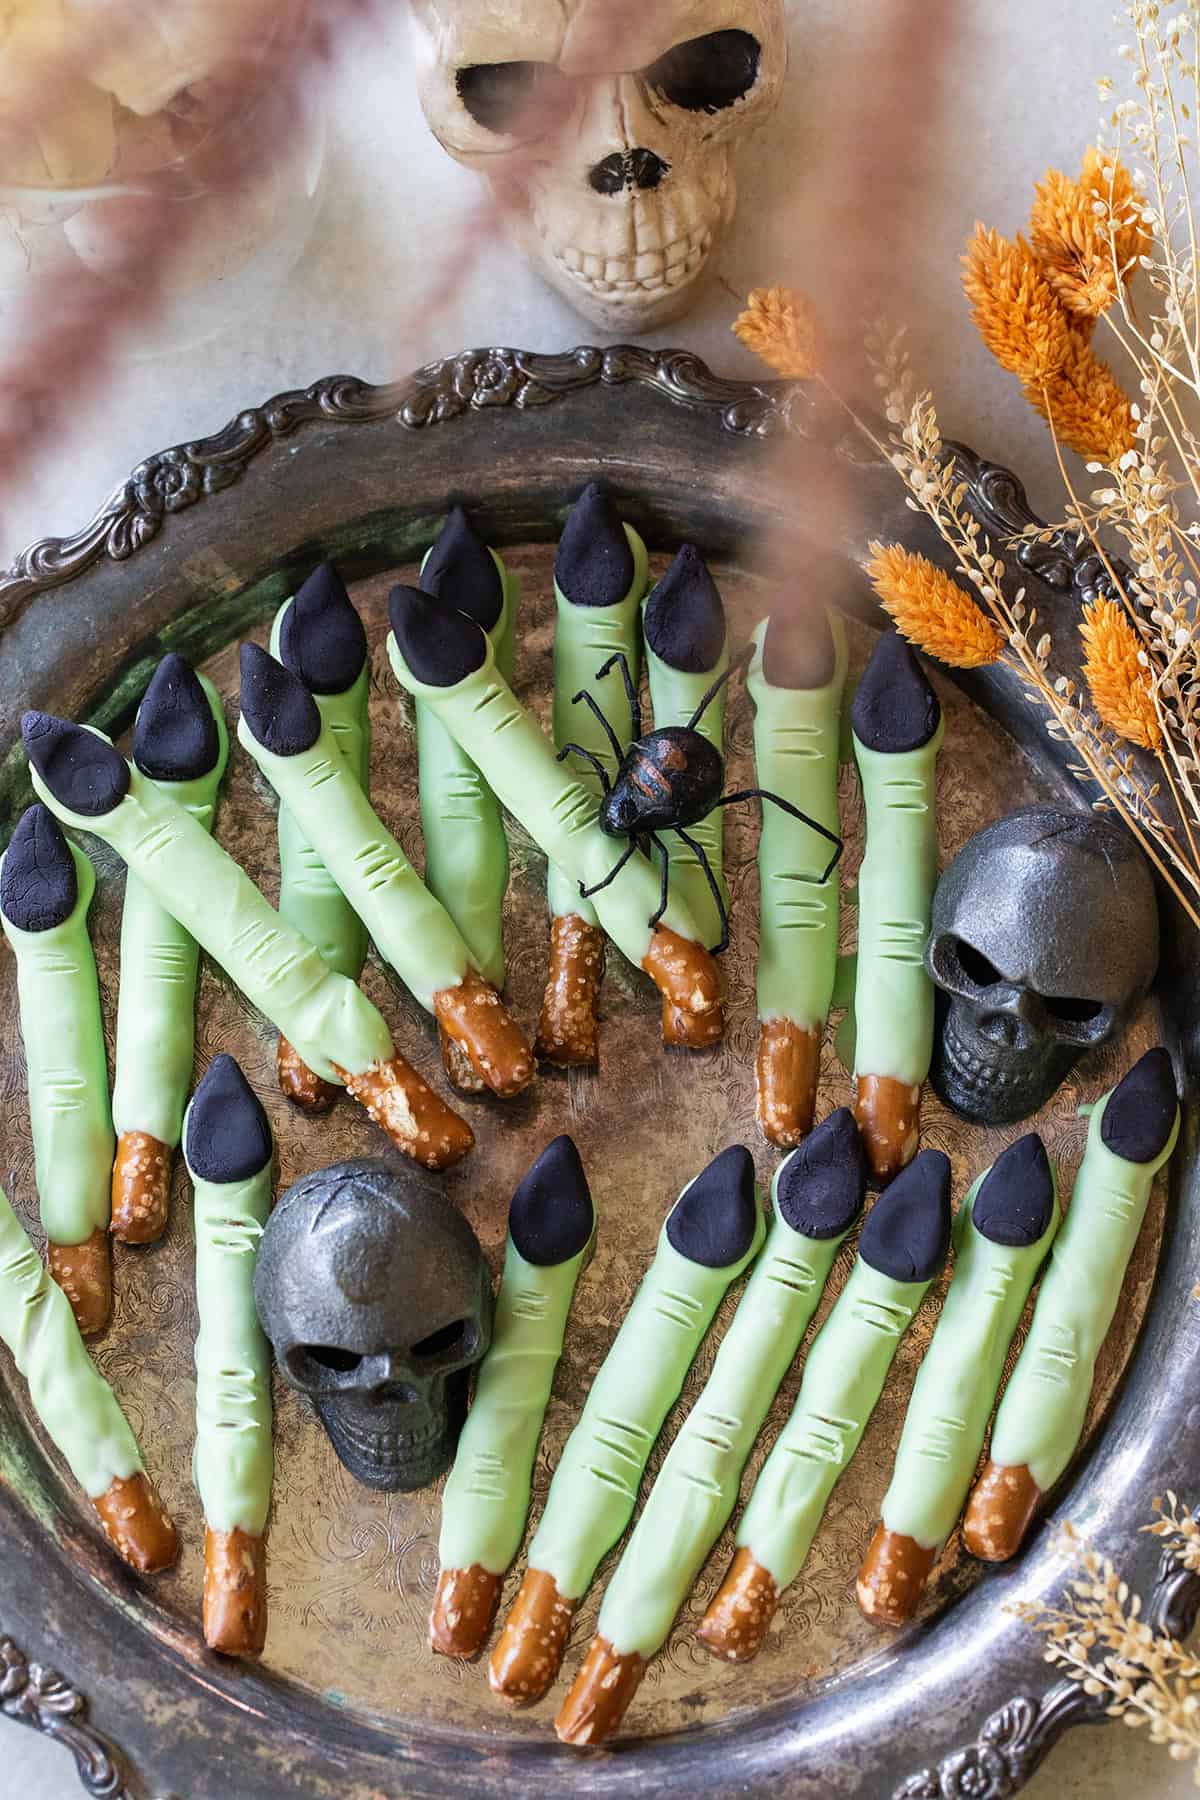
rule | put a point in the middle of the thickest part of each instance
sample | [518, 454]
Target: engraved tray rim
[967, 1704]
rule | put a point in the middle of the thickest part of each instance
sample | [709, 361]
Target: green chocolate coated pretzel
[156, 1001]
[232, 1462]
[595, 1486]
[309, 898]
[552, 803]
[63, 1033]
[1041, 1416]
[696, 1489]
[796, 740]
[466, 848]
[75, 1404]
[587, 637]
[893, 1001]
[324, 1015]
[959, 1377]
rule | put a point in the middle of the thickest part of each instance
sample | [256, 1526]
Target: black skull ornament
[1045, 937]
[378, 1303]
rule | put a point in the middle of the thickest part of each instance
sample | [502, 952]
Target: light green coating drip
[156, 1001]
[551, 802]
[693, 1498]
[232, 1462]
[1041, 1417]
[74, 1402]
[843, 1379]
[326, 1017]
[595, 1486]
[466, 849]
[486, 1501]
[63, 1033]
[584, 639]
[412, 931]
[675, 695]
[893, 1001]
[796, 737]
[959, 1378]
[309, 898]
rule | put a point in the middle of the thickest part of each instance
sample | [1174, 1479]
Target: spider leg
[587, 892]
[621, 661]
[664, 897]
[739, 662]
[588, 757]
[589, 700]
[701, 855]
[786, 806]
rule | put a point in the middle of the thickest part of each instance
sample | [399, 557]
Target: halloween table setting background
[1021, 99]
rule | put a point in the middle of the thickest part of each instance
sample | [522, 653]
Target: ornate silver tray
[194, 553]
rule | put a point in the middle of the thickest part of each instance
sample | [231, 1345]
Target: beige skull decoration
[607, 129]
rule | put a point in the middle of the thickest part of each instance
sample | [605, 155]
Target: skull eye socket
[707, 74]
[975, 966]
[458, 1337]
[502, 97]
[1073, 1012]
[308, 1363]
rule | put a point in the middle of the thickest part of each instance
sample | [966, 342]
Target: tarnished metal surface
[348, 1701]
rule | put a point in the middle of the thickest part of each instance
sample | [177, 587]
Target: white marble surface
[1023, 96]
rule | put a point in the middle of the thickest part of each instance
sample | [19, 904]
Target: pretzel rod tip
[688, 980]
[889, 1117]
[463, 1609]
[460, 1070]
[299, 1084]
[141, 1188]
[137, 1525]
[84, 1273]
[789, 1061]
[235, 1593]
[417, 1120]
[475, 1017]
[892, 1577]
[1000, 1512]
[736, 1623]
[568, 1033]
[600, 1696]
[530, 1649]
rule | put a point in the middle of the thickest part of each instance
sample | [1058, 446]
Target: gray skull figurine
[378, 1302]
[1045, 936]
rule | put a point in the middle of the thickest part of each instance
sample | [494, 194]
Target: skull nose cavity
[638, 168]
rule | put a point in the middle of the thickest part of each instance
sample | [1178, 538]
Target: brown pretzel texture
[600, 1695]
[476, 1020]
[84, 1273]
[739, 1615]
[299, 1084]
[892, 1577]
[889, 1117]
[530, 1649]
[235, 1593]
[1000, 1512]
[568, 1031]
[788, 1069]
[417, 1120]
[141, 1188]
[463, 1609]
[137, 1525]
[688, 979]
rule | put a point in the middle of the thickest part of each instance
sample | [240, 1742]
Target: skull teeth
[970, 1069]
[650, 272]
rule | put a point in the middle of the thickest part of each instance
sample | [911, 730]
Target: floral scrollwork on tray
[39, 1697]
[1010, 1746]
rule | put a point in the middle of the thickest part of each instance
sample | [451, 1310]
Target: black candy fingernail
[83, 772]
[39, 885]
[440, 646]
[175, 737]
[1140, 1116]
[228, 1134]
[799, 653]
[551, 1217]
[907, 1233]
[822, 1187]
[1015, 1204]
[281, 713]
[461, 570]
[895, 708]
[595, 563]
[715, 1221]
[321, 637]
[684, 620]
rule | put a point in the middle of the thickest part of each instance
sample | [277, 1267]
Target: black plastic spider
[667, 780]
